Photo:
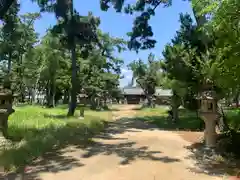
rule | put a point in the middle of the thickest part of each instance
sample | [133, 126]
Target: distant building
[136, 95]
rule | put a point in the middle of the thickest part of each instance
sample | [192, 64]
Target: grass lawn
[233, 118]
[187, 120]
[43, 130]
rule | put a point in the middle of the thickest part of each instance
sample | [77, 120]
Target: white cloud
[125, 71]
[127, 74]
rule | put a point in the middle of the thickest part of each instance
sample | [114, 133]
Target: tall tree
[10, 35]
[184, 62]
[28, 38]
[146, 76]
[100, 72]
[76, 30]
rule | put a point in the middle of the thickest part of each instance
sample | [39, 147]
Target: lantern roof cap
[5, 93]
[207, 95]
[3, 110]
[207, 85]
[82, 95]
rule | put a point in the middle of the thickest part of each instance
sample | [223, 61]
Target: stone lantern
[6, 99]
[208, 112]
[82, 100]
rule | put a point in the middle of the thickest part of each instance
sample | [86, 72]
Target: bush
[233, 119]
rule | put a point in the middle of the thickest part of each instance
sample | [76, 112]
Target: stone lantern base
[210, 134]
[2, 139]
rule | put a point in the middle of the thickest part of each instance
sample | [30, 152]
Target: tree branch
[4, 6]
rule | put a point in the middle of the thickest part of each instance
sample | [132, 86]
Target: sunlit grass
[188, 120]
[233, 118]
[151, 112]
[41, 130]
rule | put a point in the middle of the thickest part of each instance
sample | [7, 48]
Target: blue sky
[164, 25]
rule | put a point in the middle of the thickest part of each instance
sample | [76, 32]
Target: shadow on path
[127, 152]
[212, 163]
[109, 142]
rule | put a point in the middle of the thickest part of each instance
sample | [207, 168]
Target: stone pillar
[125, 101]
[83, 102]
[3, 132]
[210, 134]
[4, 124]
[2, 138]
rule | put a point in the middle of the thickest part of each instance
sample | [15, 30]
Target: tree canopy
[203, 51]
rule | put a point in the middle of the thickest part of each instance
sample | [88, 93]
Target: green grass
[42, 130]
[233, 118]
[187, 120]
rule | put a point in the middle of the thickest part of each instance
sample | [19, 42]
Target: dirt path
[129, 150]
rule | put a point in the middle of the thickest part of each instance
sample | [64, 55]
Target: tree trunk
[81, 112]
[105, 106]
[53, 92]
[51, 95]
[175, 104]
[93, 102]
[222, 121]
[51, 102]
[101, 103]
[22, 96]
[237, 100]
[29, 95]
[73, 103]
[132, 81]
[29, 90]
[150, 102]
[175, 113]
[66, 97]
[47, 96]
[82, 106]
[20, 76]
[33, 95]
[9, 63]
[98, 103]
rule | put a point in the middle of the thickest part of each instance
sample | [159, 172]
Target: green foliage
[233, 116]
[17, 39]
[223, 25]
[4, 7]
[10, 35]
[141, 35]
[48, 68]
[146, 74]
[191, 59]
[187, 119]
[100, 72]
